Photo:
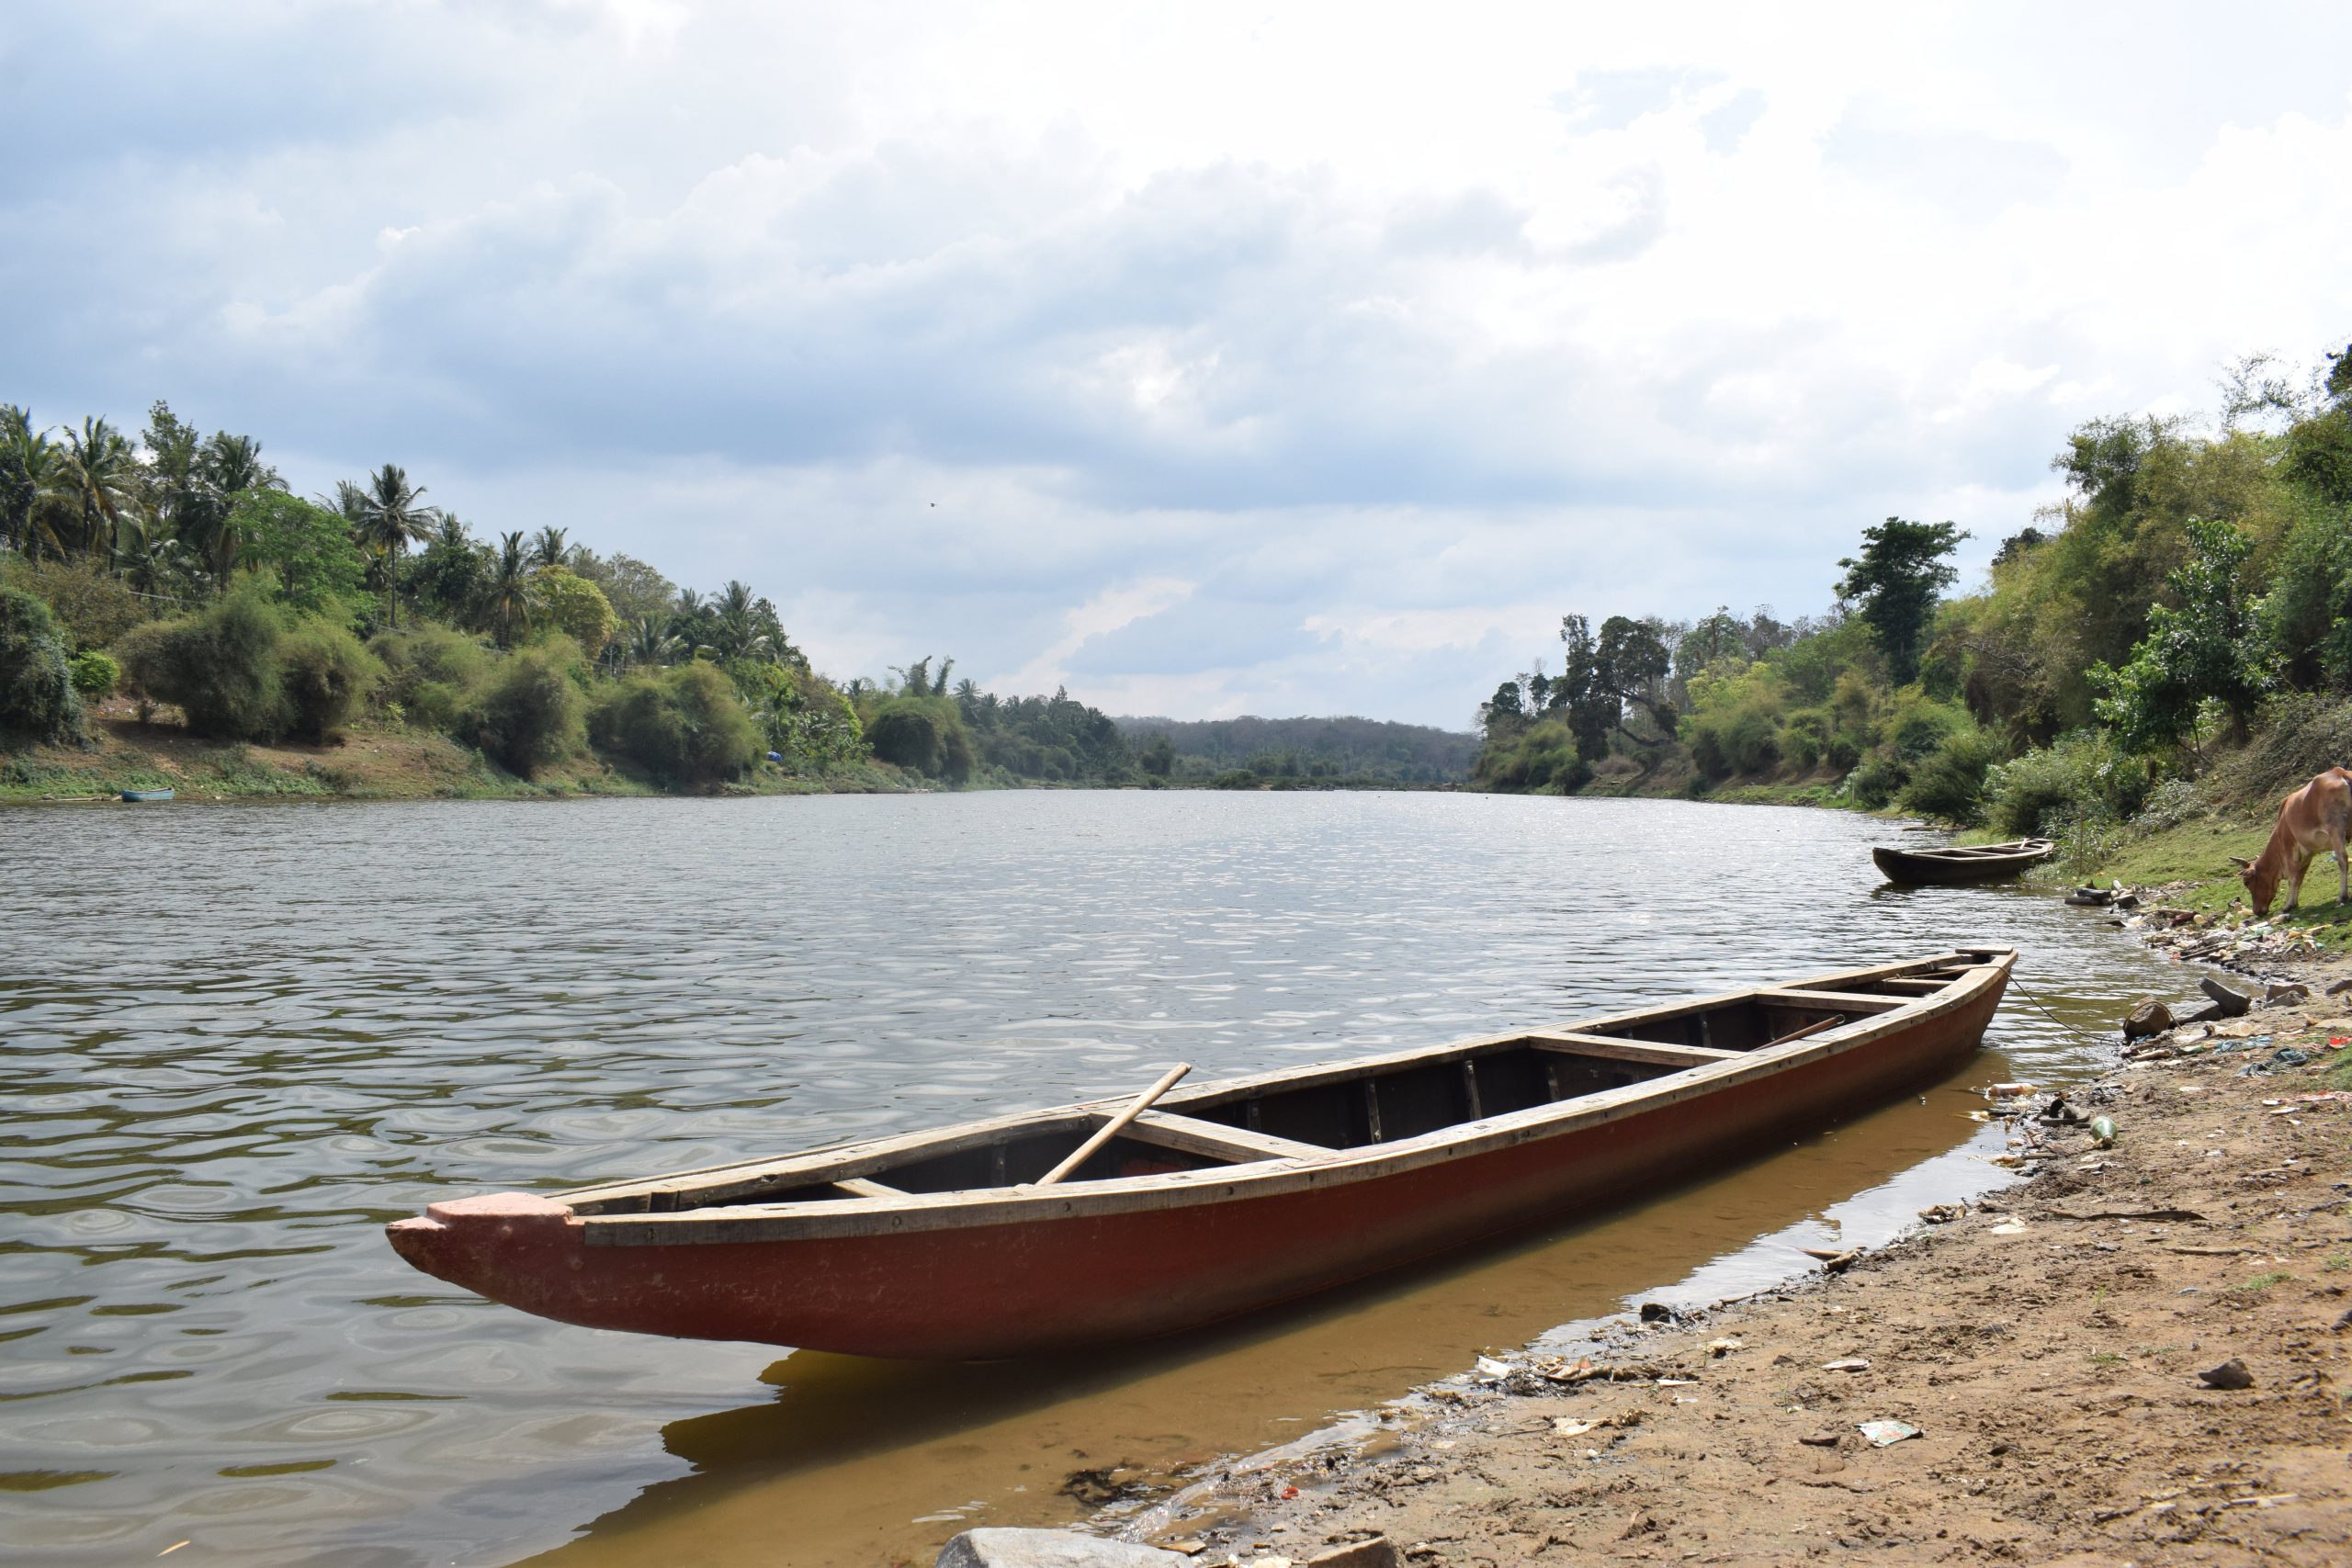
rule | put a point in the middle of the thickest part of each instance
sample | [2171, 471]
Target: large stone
[1050, 1549]
[2228, 998]
[2292, 991]
[2147, 1017]
[1374, 1553]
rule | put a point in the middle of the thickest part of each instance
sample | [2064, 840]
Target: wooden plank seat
[1830, 1001]
[1658, 1054]
[1188, 1134]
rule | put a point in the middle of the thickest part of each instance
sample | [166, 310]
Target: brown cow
[2310, 821]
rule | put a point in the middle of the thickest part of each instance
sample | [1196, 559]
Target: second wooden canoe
[1976, 863]
[1225, 1196]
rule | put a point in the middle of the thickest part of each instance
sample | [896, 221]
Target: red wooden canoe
[1225, 1198]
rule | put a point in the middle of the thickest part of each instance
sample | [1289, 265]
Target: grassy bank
[367, 764]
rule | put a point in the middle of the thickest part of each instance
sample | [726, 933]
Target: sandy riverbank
[2045, 1345]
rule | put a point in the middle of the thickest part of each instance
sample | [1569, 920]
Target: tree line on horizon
[180, 571]
[2193, 589]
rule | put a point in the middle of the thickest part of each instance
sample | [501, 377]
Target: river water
[235, 1041]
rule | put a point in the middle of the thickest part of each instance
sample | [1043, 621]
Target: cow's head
[2261, 885]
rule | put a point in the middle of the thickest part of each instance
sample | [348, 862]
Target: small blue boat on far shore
[146, 795]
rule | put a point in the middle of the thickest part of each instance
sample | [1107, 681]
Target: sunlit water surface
[234, 1042]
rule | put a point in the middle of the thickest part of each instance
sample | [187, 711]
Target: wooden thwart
[1569, 1043]
[1114, 1127]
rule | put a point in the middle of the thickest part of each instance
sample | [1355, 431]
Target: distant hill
[1363, 750]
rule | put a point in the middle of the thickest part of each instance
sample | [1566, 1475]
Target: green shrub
[220, 668]
[2080, 778]
[1876, 782]
[1921, 725]
[37, 694]
[432, 674]
[925, 735]
[1804, 740]
[531, 715]
[93, 674]
[91, 605]
[1949, 783]
[326, 676]
[684, 726]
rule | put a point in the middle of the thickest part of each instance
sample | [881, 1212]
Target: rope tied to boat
[2098, 1037]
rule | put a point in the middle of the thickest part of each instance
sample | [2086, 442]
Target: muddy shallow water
[235, 1041]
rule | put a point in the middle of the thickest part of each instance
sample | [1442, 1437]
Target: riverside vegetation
[172, 616]
[2148, 667]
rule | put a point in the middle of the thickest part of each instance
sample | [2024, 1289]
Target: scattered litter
[1886, 1434]
[2230, 1374]
[2008, 1091]
[1724, 1347]
[169, 1549]
[1563, 1427]
[1490, 1368]
[1852, 1364]
[1943, 1213]
[2006, 1227]
[1677, 1382]
[2103, 1131]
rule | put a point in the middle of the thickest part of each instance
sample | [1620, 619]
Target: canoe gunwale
[1973, 972]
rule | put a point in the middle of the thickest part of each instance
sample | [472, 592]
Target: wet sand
[2045, 1345]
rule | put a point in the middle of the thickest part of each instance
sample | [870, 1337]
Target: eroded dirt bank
[2045, 1345]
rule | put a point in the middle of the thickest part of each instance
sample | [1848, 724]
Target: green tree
[2203, 650]
[99, 472]
[549, 549]
[532, 714]
[508, 602]
[304, 545]
[387, 517]
[447, 579]
[36, 696]
[34, 503]
[635, 589]
[1159, 756]
[1895, 580]
[576, 607]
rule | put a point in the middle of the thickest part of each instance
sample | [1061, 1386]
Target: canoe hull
[1007, 1290]
[1918, 869]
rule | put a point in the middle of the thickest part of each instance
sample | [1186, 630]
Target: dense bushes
[924, 735]
[531, 714]
[684, 726]
[1949, 783]
[326, 676]
[36, 696]
[93, 674]
[226, 670]
[432, 674]
[2082, 776]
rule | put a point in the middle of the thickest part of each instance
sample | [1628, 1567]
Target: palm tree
[506, 597]
[548, 547]
[31, 486]
[100, 472]
[735, 630]
[388, 518]
[647, 642]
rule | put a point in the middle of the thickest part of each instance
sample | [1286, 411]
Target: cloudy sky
[1207, 360]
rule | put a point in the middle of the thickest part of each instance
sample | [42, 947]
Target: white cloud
[1383, 332]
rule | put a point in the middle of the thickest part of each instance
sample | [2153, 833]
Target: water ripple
[234, 1042]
